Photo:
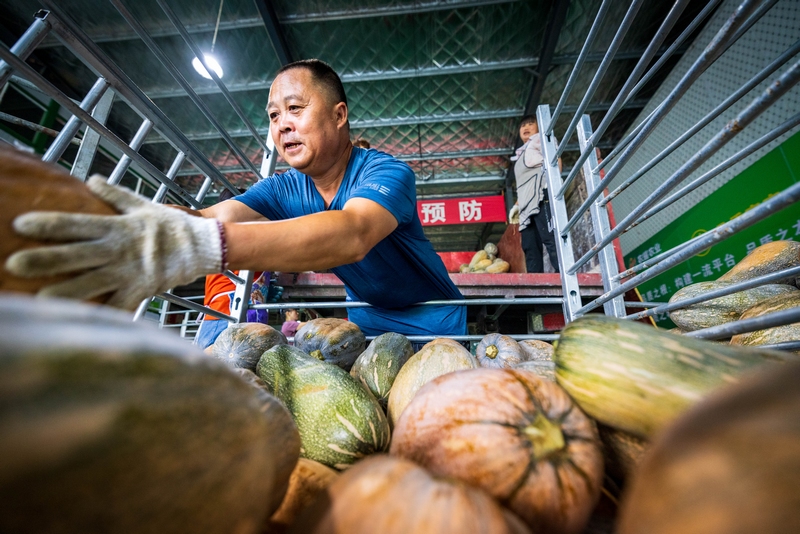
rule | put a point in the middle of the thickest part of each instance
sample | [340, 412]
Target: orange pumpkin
[308, 480]
[513, 434]
[28, 184]
[394, 496]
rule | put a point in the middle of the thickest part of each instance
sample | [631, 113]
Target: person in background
[338, 207]
[292, 323]
[533, 205]
[361, 143]
[219, 291]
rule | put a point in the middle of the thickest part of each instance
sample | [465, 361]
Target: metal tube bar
[634, 304]
[656, 259]
[520, 337]
[180, 301]
[91, 138]
[573, 76]
[26, 44]
[730, 162]
[733, 288]
[175, 73]
[199, 55]
[600, 221]
[715, 48]
[173, 170]
[270, 159]
[35, 127]
[626, 91]
[57, 148]
[786, 198]
[772, 93]
[125, 161]
[76, 40]
[727, 330]
[241, 297]
[201, 194]
[710, 116]
[141, 310]
[53, 92]
[784, 345]
[622, 144]
[622, 30]
[459, 302]
[681, 38]
[233, 277]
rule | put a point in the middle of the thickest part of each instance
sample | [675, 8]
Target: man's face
[304, 123]
[527, 130]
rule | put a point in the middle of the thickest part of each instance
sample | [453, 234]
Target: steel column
[91, 138]
[125, 161]
[57, 148]
[241, 297]
[173, 170]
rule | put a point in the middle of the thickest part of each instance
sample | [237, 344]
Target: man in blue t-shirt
[339, 207]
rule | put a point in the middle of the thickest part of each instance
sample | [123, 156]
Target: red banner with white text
[462, 210]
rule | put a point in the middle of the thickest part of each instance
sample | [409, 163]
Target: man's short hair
[527, 119]
[323, 74]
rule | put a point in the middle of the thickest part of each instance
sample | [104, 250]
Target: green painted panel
[768, 176]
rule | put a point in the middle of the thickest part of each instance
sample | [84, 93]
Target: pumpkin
[377, 367]
[768, 258]
[622, 452]
[637, 378]
[728, 466]
[479, 256]
[28, 184]
[339, 420]
[332, 340]
[498, 266]
[498, 351]
[512, 434]
[544, 369]
[112, 426]
[308, 480]
[490, 249]
[536, 349]
[394, 496]
[777, 334]
[241, 345]
[435, 358]
[722, 309]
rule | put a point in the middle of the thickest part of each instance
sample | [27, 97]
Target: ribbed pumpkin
[537, 350]
[394, 496]
[622, 452]
[332, 340]
[768, 258]
[112, 426]
[728, 466]
[241, 345]
[777, 334]
[309, 479]
[722, 309]
[498, 352]
[637, 378]
[28, 184]
[518, 437]
[339, 420]
[440, 356]
[544, 369]
[377, 367]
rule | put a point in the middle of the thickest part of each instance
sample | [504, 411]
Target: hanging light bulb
[210, 60]
[212, 63]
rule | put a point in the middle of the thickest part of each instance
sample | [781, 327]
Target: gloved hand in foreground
[513, 215]
[145, 250]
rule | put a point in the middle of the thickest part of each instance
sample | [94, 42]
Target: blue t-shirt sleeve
[390, 183]
[262, 197]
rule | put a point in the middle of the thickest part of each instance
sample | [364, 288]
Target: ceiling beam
[410, 9]
[399, 74]
[555, 21]
[274, 31]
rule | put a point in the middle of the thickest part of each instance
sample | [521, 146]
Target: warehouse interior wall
[766, 40]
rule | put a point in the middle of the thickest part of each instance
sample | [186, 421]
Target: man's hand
[145, 250]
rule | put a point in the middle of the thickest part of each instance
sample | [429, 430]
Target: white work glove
[513, 215]
[145, 250]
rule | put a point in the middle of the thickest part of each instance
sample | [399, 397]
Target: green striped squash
[377, 367]
[637, 378]
[339, 421]
[776, 334]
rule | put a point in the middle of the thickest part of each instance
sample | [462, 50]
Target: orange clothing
[217, 285]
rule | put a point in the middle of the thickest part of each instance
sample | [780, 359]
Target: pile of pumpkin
[108, 425]
[486, 260]
[758, 301]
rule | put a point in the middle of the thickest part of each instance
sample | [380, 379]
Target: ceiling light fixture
[209, 58]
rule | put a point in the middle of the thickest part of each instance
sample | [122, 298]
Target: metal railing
[616, 284]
